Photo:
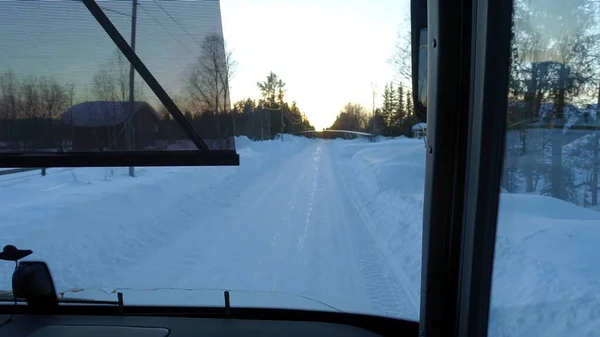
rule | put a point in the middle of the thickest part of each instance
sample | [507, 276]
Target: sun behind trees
[394, 118]
[208, 98]
[263, 119]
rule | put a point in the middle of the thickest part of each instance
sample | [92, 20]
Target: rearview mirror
[419, 57]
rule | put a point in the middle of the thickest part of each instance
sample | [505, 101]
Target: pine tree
[409, 104]
[400, 107]
[389, 107]
[393, 104]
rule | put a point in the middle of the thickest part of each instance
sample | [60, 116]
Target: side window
[546, 272]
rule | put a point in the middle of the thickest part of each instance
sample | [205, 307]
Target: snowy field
[304, 223]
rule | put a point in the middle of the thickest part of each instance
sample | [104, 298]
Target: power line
[113, 11]
[177, 23]
[163, 27]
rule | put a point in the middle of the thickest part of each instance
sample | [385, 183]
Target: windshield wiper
[8, 297]
[86, 301]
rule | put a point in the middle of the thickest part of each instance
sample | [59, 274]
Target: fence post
[43, 171]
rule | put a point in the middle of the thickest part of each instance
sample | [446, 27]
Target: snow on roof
[419, 126]
[572, 115]
[102, 113]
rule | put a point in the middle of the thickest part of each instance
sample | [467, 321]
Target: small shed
[102, 125]
[419, 130]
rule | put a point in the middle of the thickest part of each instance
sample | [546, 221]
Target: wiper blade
[6, 296]
[86, 301]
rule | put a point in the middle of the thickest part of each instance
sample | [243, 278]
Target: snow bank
[546, 279]
[387, 178]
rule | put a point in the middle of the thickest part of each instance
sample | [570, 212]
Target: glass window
[325, 209]
[546, 272]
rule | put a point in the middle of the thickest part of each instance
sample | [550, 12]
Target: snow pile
[388, 180]
[546, 279]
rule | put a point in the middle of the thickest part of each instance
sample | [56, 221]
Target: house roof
[102, 113]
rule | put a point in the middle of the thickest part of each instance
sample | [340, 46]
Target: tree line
[258, 119]
[554, 81]
[31, 105]
[393, 118]
[552, 143]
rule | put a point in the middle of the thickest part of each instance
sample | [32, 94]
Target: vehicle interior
[485, 79]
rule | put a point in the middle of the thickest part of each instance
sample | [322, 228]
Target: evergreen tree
[400, 106]
[389, 107]
[409, 104]
[272, 91]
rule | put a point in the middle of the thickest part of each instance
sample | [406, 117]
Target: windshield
[546, 274]
[325, 208]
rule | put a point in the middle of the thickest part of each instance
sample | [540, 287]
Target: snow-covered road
[290, 230]
[292, 223]
[332, 224]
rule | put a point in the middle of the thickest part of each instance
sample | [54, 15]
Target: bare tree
[401, 57]
[9, 95]
[352, 117]
[54, 97]
[208, 81]
[32, 98]
[225, 77]
[209, 78]
[112, 82]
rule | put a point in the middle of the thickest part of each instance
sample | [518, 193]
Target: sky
[328, 52]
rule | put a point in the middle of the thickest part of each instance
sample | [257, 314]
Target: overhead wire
[114, 11]
[163, 27]
[176, 22]
[292, 118]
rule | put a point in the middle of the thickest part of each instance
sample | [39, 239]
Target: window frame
[467, 102]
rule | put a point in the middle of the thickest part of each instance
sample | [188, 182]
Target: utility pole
[282, 122]
[373, 88]
[132, 119]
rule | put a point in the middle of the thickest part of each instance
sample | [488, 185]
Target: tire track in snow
[385, 285]
[223, 250]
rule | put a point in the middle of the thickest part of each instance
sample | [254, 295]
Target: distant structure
[419, 130]
[100, 125]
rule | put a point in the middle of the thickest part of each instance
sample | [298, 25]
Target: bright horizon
[327, 52]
